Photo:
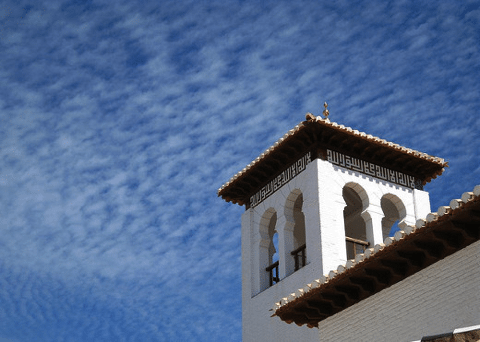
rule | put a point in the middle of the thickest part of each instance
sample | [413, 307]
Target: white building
[320, 204]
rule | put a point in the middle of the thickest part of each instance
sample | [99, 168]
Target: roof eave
[411, 250]
[225, 192]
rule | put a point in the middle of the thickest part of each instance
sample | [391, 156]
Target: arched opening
[394, 211]
[295, 238]
[356, 200]
[299, 252]
[268, 254]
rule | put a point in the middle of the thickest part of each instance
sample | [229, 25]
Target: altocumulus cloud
[120, 121]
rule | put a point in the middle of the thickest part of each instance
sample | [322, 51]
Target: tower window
[295, 240]
[355, 246]
[300, 256]
[272, 270]
[394, 212]
[355, 228]
[269, 258]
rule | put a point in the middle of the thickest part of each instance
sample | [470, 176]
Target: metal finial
[325, 111]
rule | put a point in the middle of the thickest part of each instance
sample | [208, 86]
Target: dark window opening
[300, 256]
[355, 246]
[273, 273]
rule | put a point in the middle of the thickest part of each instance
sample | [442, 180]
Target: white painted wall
[257, 303]
[321, 184]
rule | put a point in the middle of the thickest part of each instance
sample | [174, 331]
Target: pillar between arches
[332, 228]
[373, 225]
[285, 234]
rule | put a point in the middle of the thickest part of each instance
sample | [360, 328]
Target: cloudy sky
[121, 119]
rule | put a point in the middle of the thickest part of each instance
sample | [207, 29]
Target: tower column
[421, 202]
[332, 223]
[285, 245]
[373, 223]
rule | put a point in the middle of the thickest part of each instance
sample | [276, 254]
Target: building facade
[321, 207]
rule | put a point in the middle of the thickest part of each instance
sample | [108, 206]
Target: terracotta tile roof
[412, 249]
[316, 130]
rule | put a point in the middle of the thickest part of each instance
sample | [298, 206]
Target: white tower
[316, 198]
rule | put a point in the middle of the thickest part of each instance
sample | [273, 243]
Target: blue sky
[121, 119]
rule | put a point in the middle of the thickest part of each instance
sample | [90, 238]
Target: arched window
[268, 250]
[355, 228]
[394, 211]
[295, 238]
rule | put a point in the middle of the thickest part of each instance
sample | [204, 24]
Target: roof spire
[325, 111]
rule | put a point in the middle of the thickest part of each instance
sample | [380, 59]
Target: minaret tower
[319, 196]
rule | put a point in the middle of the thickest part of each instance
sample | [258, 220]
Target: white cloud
[120, 122]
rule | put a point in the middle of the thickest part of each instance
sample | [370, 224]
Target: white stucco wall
[436, 300]
[258, 325]
[257, 304]
[321, 184]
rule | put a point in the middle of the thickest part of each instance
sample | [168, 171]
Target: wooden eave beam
[470, 230]
[337, 300]
[309, 137]
[415, 258]
[312, 313]
[434, 249]
[452, 238]
[381, 275]
[351, 292]
[372, 151]
[368, 284]
[412, 164]
[323, 307]
[398, 267]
